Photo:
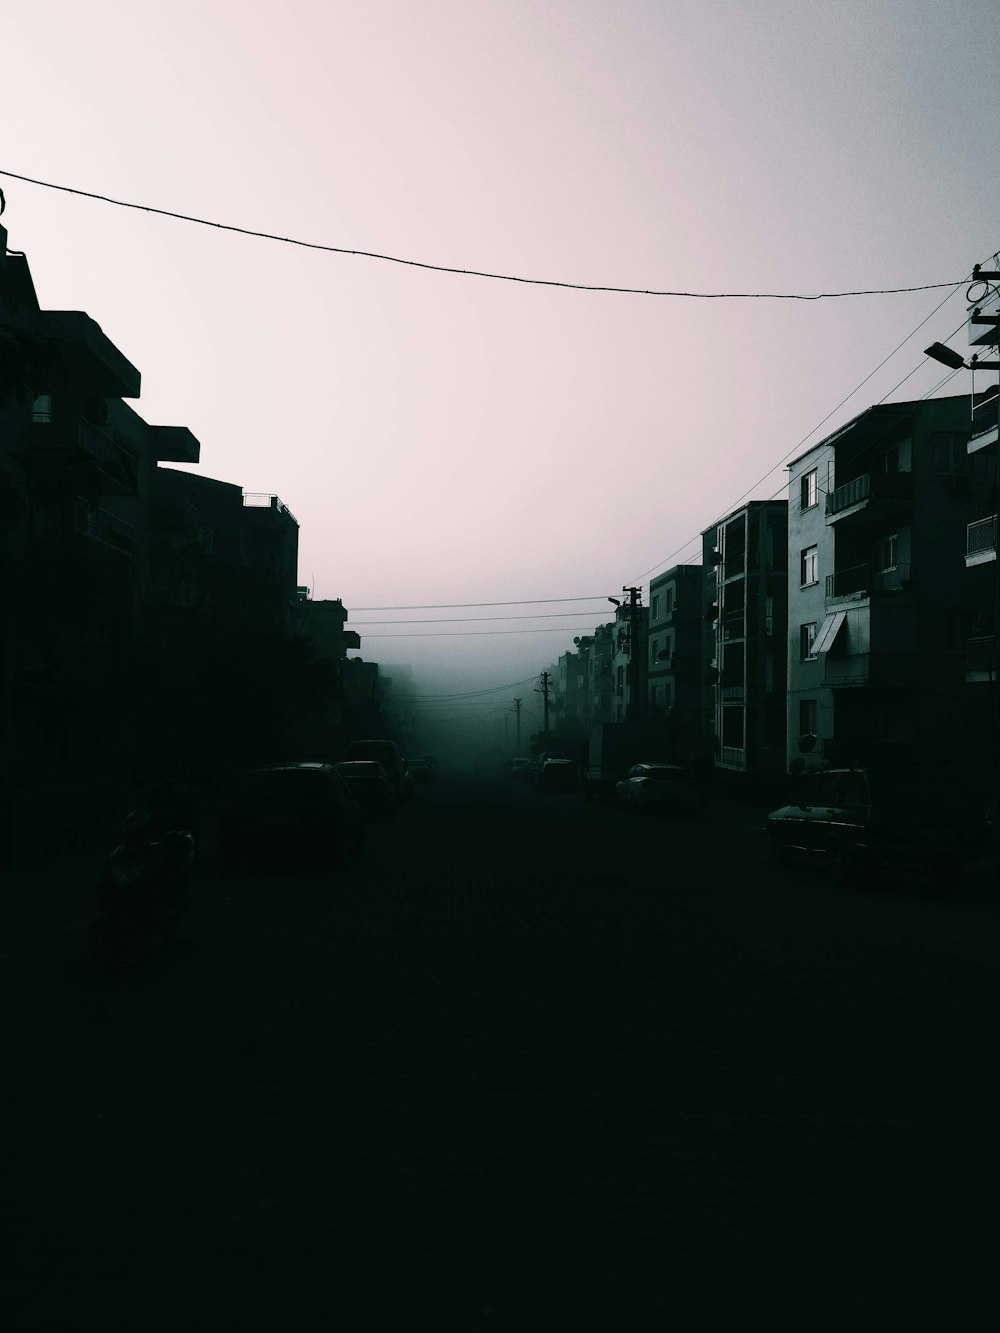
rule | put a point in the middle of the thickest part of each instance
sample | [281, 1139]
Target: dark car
[419, 771]
[897, 819]
[367, 782]
[387, 754]
[666, 788]
[558, 775]
[295, 811]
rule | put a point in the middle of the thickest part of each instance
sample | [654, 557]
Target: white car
[649, 787]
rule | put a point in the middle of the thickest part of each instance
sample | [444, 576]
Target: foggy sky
[452, 439]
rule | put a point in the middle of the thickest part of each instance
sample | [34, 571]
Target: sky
[453, 439]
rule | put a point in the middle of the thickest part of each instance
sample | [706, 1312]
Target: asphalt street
[526, 1064]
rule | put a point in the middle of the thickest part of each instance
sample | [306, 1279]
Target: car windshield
[283, 784]
[360, 769]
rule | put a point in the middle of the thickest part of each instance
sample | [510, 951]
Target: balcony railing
[851, 493]
[981, 537]
[862, 581]
[880, 486]
[979, 656]
[264, 500]
[734, 624]
[103, 526]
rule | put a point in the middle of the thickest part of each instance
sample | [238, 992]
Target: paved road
[528, 1064]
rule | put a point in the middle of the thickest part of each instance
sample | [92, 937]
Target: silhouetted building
[675, 671]
[745, 608]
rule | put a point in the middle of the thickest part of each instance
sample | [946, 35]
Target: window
[654, 647]
[810, 489]
[768, 614]
[951, 457]
[669, 597]
[41, 408]
[886, 552]
[894, 459]
[654, 610]
[807, 717]
[809, 566]
[807, 637]
[654, 695]
[668, 694]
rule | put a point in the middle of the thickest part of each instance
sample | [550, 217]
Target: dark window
[810, 489]
[807, 637]
[951, 457]
[807, 717]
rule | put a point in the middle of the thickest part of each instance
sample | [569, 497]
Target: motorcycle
[143, 891]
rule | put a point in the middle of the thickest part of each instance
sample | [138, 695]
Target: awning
[829, 630]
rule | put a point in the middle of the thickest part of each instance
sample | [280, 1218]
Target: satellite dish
[712, 676]
[713, 611]
[807, 743]
[715, 557]
[663, 655]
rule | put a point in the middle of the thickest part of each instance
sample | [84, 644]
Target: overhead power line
[454, 606]
[468, 694]
[457, 634]
[468, 620]
[795, 448]
[471, 272]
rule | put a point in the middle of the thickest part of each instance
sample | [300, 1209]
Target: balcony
[858, 669]
[858, 582]
[981, 542]
[85, 448]
[984, 426]
[110, 531]
[870, 498]
[734, 624]
[979, 660]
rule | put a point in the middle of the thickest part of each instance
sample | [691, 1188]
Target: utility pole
[544, 692]
[517, 721]
[635, 708]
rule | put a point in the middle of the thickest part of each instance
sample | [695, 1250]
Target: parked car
[651, 787]
[290, 810]
[901, 819]
[521, 769]
[419, 771]
[367, 782]
[558, 775]
[387, 754]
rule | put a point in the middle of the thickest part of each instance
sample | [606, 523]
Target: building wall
[745, 594]
[890, 539]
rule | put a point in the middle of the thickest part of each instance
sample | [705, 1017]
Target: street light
[954, 361]
[946, 355]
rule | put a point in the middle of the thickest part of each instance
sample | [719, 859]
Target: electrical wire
[467, 272]
[454, 606]
[468, 694]
[458, 634]
[468, 620]
[693, 540]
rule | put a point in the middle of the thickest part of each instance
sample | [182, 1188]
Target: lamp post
[946, 356]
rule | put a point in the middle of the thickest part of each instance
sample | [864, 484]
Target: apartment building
[674, 674]
[745, 592]
[881, 621]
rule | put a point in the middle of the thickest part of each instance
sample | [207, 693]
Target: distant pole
[517, 719]
[634, 699]
[544, 691]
